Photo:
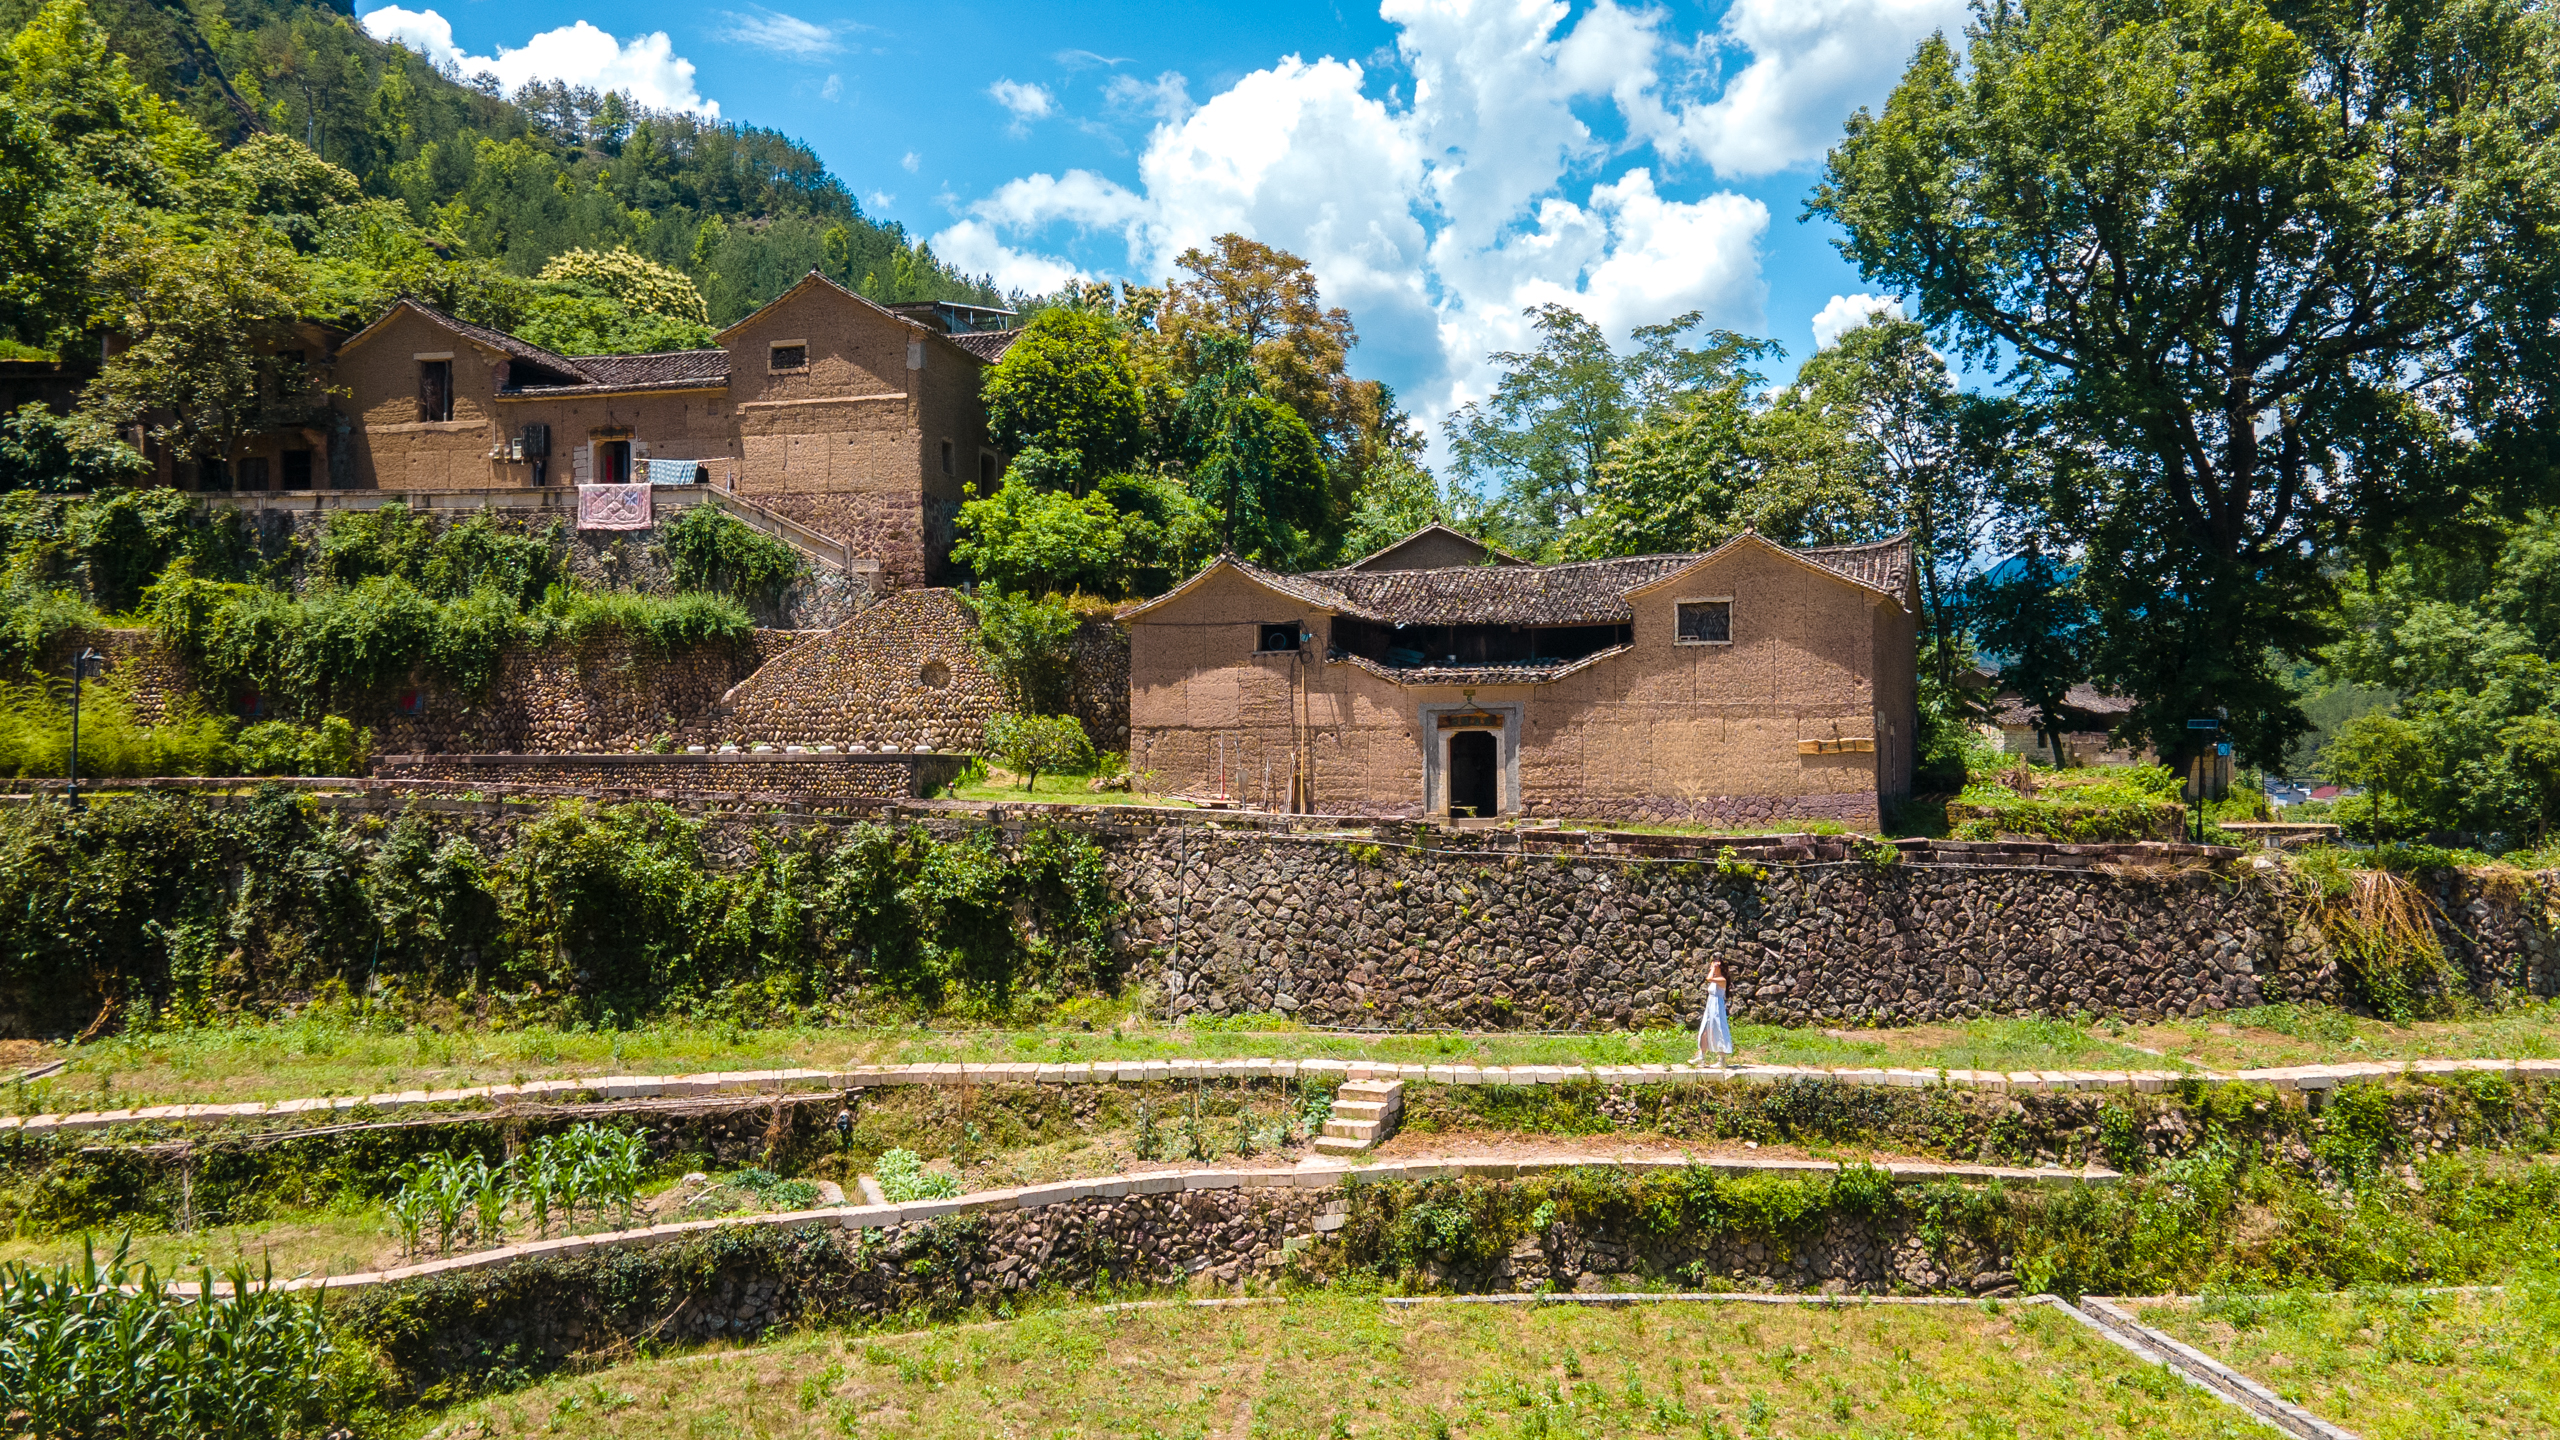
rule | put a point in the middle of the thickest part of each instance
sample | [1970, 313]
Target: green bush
[35, 734]
[2128, 803]
[711, 550]
[902, 1178]
[1030, 744]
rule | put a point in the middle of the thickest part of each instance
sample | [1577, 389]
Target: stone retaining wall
[1407, 936]
[805, 777]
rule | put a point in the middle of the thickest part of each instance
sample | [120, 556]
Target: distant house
[859, 421]
[1749, 684]
[2089, 717]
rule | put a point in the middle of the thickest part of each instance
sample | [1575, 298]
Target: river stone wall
[1401, 936]
[781, 775]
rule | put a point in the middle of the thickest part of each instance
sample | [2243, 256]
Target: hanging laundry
[677, 472]
[613, 507]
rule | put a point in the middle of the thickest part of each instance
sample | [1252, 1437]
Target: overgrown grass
[2080, 805]
[1334, 1366]
[2394, 1365]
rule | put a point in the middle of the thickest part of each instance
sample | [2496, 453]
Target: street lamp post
[83, 665]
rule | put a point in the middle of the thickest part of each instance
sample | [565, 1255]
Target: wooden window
[297, 469]
[1278, 639]
[435, 389]
[790, 355]
[253, 472]
[1706, 622]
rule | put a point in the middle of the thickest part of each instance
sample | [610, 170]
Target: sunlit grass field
[1346, 1367]
[2393, 1365]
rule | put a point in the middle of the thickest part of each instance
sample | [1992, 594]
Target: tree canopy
[2284, 271]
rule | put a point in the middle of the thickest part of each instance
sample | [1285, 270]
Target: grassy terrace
[344, 1053]
[1339, 1367]
[2393, 1365]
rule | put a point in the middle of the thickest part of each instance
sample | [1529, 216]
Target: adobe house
[858, 421]
[1750, 684]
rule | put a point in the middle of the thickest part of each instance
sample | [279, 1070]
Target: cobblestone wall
[816, 779]
[902, 674]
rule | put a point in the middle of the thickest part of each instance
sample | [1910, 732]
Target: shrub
[35, 734]
[902, 1178]
[1029, 744]
[709, 549]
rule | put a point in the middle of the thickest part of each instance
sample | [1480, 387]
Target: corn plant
[586, 1169]
[110, 1351]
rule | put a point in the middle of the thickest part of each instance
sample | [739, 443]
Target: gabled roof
[481, 335]
[1301, 588]
[1384, 557]
[987, 345]
[1881, 566]
[1585, 592]
[814, 280]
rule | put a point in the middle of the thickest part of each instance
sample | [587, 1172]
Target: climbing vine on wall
[190, 909]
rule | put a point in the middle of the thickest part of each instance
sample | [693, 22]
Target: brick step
[1364, 1113]
[1364, 1109]
[1364, 1131]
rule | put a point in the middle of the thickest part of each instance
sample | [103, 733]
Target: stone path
[2314, 1078]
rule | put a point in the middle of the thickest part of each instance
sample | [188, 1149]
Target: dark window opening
[790, 357]
[296, 469]
[946, 457]
[435, 390]
[253, 473]
[1706, 622]
[986, 470]
[1278, 637]
[613, 462]
[1405, 646]
[1475, 774]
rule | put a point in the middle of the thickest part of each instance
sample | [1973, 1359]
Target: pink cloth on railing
[613, 507]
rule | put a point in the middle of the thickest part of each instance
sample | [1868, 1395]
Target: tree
[1547, 429]
[1039, 541]
[40, 450]
[1029, 642]
[1261, 474]
[201, 323]
[2267, 262]
[1066, 387]
[64, 76]
[1029, 744]
[641, 285]
[2387, 756]
[2031, 617]
[1878, 438]
[2533, 753]
[47, 229]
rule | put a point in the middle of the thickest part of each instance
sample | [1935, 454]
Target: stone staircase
[1365, 1113]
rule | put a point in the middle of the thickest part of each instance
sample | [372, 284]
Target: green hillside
[511, 182]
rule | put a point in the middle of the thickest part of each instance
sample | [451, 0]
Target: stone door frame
[1435, 753]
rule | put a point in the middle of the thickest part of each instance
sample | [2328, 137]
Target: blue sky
[1443, 163]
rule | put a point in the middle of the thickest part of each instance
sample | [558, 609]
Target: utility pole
[83, 665]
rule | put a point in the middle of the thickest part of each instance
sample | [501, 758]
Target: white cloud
[879, 201]
[833, 89]
[1845, 313]
[782, 34]
[1440, 206]
[1167, 97]
[1027, 102]
[973, 248]
[910, 161]
[1812, 62]
[646, 67]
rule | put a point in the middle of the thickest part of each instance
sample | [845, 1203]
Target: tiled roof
[1589, 592]
[657, 367]
[1511, 674]
[987, 345]
[1883, 564]
[2082, 701]
[501, 340]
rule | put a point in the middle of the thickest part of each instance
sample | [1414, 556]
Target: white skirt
[1714, 1032]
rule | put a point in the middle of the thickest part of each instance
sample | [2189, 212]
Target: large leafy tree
[2269, 261]
[201, 324]
[1541, 438]
[1067, 387]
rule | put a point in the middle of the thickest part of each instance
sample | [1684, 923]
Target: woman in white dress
[1715, 1030]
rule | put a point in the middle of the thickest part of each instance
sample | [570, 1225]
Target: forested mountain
[518, 180]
